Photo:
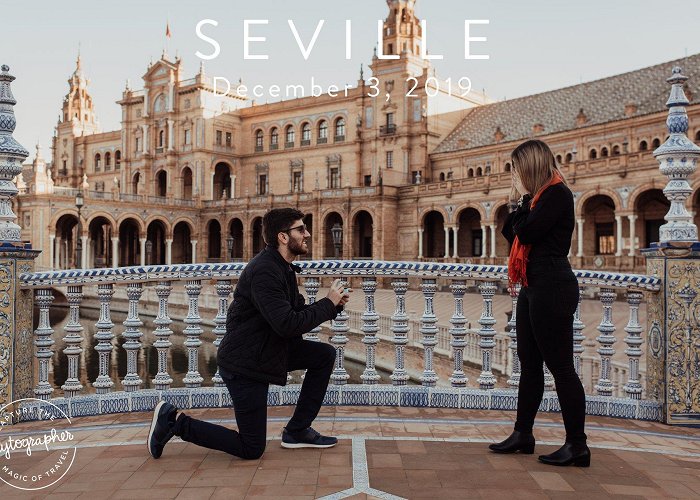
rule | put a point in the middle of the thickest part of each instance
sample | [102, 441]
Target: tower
[402, 36]
[77, 119]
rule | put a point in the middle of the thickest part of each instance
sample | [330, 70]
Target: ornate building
[191, 172]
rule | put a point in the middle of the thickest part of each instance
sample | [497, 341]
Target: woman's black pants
[544, 325]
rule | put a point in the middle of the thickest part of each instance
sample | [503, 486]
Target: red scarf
[517, 261]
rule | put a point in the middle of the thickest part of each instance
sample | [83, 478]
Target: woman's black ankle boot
[524, 442]
[577, 454]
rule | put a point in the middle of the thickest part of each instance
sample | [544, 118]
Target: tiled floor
[404, 452]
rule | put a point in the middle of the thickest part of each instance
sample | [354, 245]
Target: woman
[540, 230]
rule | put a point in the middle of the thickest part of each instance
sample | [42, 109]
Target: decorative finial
[12, 154]
[362, 71]
[678, 159]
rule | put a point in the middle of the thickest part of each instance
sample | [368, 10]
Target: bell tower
[77, 105]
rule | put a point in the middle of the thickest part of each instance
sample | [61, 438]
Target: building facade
[190, 172]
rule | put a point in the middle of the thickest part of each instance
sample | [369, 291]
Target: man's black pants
[544, 326]
[250, 404]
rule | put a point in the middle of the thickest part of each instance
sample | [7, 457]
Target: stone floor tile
[150, 493]
[199, 493]
[173, 479]
[618, 489]
[551, 481]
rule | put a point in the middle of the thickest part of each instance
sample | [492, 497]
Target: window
[138, 144]
[593, 154]
[559, 158]
[117, 160]
[219, 137]
[507, 167]
[479, 172]
[368, 180]
[188, 136]
[289, 137]
[389, 159]
[340, 129]
[65, 166]
[306, 134]
[697, 135]
[656, 143]
[229, 138]
[161, 138]
[296, 182]
[262, 184]
[643, 146]
[389, 119]
[259, 140]
[108, 161]
[604, 152]
[274, 138]
[442, 176]
[323, 132]
[470, 172]
[335, 178]
[568, 158]
[98, 159]
[616, 150]
[605, 238]
[415, 177]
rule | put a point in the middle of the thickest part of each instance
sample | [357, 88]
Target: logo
[42, 452]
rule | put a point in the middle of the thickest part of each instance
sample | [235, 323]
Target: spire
[38, 152]
[678, 158]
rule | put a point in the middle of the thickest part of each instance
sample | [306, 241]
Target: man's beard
[297, 248]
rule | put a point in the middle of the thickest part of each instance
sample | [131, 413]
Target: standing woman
[540, 230]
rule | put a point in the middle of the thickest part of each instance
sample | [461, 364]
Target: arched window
[306, 134]
[507, 169]
[592, 154]
[656, 143]
[568, 158]
[470, 172]
[108, 161]
[559, 159]
[340, 129]
[117, 160]
[323, 132]
[643, 146]
[289, 137]
[442, 176]
[135, 183]
[98, 160]
[161, 183]
[697, 135]
[603, 152]
[274, 138]
[259, 140]
[616, 150]
[161, 138]
[479, 172]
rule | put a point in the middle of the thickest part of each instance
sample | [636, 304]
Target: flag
[167, 30]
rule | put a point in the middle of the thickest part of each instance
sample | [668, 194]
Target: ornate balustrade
[486, 345]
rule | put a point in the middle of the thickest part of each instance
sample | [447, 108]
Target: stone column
[420, 243]
[171, 96]
[57, 256]
[579, 237]
[52, 242]
[455, 253]
[171, 135]
[618, 243]
[16, 346]
[483, 241]
[115, 252]
[84, 253]
[493, 240]
[144, 146]
[142, 242]
[194, 250]
[633, 220]
[168, 252]
[447, 242]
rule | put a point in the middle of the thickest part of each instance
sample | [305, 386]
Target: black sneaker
[162, 425]
[308, 438]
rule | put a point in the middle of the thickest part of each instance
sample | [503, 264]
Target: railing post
[672, 335]
[16, 257]
[399, 327]
[606, 339]
[634, 341]
[192, 331]
[429, 332]
[104, 336]
[43, 343]
[132, 334]
[73, 340]
[514, 379]
[223, 290]
[339, 327]
[162, 333]
[311, 287]
[369, 330]
[486, 335]
[458, 332]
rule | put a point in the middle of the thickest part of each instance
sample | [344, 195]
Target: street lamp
[149, 252]
[229, 246]
[337, 234]
[79, 202]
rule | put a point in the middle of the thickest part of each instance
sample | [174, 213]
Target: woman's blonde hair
[535, 164]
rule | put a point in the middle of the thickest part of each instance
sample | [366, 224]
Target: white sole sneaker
[306, 445]
[156, 411]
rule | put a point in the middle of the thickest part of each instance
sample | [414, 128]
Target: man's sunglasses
[302, 229]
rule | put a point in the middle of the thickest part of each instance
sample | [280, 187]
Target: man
[263, 341]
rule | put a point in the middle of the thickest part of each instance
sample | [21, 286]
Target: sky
[533, 45]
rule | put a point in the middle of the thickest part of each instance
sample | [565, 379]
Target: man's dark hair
[278, 220]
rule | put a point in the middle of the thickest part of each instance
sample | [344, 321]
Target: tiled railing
[485, 345]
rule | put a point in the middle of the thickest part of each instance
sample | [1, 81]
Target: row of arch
[305, 129]
[108, 161]
[131, 241]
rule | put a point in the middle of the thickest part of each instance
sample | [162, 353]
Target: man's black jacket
[267, 313]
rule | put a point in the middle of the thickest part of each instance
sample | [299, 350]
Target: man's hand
[346, 296]
[337, 292]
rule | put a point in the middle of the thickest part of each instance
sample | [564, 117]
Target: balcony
[305, 142]
[274, 147]
[258, 149]
[387, 129]
[322, 140]
[339, 138]
[288, 145]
